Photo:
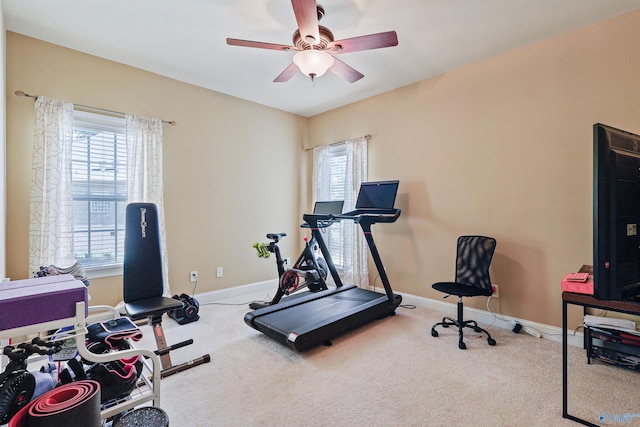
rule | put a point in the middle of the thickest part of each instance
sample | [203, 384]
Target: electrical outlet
[193, 276]
[287, 261]
[496, 290]
[219, 272]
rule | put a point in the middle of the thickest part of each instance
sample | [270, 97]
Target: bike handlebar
[276, 236]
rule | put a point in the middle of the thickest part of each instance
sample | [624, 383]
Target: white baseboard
[268, 286]
[484, 317]
[498, 320]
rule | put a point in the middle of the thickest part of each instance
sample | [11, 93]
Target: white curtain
[144, 173]
[51, 205]
[355, 250]
[321, 173]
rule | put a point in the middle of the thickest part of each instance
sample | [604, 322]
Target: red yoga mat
[75, 404]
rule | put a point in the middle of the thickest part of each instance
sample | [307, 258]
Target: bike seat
[276, 236]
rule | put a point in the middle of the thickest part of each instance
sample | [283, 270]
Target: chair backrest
[142, 275]
[473, 258]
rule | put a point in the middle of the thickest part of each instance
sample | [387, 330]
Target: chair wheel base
[460, 324]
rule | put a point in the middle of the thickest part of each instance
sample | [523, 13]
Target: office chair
[143, 285]
[473, 258]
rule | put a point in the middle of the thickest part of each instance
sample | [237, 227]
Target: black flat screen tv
[616, 214]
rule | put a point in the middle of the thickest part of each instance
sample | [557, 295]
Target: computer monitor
[331, 207]
[377, 195]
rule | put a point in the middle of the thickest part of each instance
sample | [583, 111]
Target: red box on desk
[578, 287]
[38, 300]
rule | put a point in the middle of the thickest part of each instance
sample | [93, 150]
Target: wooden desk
[586, 301]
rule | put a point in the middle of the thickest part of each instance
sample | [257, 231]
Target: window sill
[104, 271]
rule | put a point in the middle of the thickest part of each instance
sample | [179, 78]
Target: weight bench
[143, 285]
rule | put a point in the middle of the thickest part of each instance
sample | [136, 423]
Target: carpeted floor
[388, 373]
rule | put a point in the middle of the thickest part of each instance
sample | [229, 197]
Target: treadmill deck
[314, 319]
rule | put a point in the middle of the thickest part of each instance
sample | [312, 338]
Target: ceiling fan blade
[306, 12]
[288, 72]
[345, 71]
[260, 45]
[371, 41]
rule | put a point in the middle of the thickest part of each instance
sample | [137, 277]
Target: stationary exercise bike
[309, 271]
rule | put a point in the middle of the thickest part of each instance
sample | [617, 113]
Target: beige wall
[3, 228]
[232, 168]
[502, 148]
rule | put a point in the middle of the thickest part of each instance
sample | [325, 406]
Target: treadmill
[316, 318]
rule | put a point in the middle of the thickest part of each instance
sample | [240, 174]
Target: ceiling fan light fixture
[313, 63]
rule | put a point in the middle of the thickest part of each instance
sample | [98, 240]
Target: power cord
[516, 326]
[195, 284]
[407, 306]
[267, 299]
[496, 316]
[193, 293]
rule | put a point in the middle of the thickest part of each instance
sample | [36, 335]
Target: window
[99, 186]
[338, 171]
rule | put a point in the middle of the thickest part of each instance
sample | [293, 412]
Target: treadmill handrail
[373, 215]
[318, 220]
[365, 218]
[321, 223]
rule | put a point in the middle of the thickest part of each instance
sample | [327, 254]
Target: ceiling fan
[316, 48]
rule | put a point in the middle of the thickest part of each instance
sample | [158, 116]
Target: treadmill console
[377, 195]
[375, 202]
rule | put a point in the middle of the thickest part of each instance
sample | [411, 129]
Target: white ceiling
[186, 39]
